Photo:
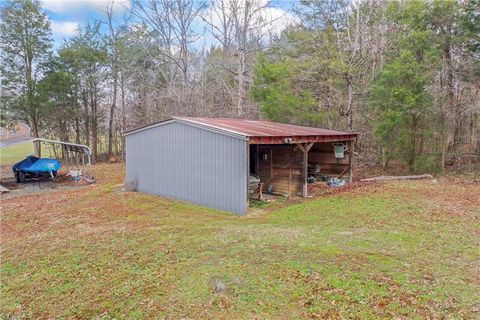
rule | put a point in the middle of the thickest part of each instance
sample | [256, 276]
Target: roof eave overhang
[300, 139]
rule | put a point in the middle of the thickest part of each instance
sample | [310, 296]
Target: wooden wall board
[281, 166]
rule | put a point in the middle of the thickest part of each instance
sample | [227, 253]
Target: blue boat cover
[33, 164]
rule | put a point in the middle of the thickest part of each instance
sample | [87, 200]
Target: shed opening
[288, 169]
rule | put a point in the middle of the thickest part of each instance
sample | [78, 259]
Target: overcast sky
[67, 15]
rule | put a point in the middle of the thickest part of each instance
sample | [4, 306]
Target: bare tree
[112, 37]
[240, 26]
[172, 25]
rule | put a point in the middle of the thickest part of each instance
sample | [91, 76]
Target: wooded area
[404, 74]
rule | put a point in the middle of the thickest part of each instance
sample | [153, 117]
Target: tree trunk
[86, 119]
[385, 158]
[112, 113]
[450, 95]
[93, 106]
[241, 83]
[242, 47]
[392, 178]
[62, 126]
[77, 130]
[124, 114]
[443, 137]
[122, 96]
[30, 103]
[473, 126]
[349, 111]
[413, 143]
[37, 151]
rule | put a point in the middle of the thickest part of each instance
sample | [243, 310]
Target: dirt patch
[38, 186]
[104, 172]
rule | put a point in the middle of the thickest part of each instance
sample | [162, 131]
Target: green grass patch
[347, 256]
[15, 153]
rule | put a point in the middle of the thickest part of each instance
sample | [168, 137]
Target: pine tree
[26, 43]
[401, 100]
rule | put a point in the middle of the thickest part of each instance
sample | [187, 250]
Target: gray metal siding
[184, 162]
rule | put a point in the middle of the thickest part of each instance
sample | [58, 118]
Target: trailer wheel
[17, 178]
[21, 177]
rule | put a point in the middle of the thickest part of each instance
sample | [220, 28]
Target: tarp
[33, 164]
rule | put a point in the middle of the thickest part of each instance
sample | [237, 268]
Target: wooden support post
[271, 164]
[37, 149]
[257, 158]
[289, 180]
[350, 161]
[305, 147]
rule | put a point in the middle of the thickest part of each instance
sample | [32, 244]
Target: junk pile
[335, 183]
[254, 186]
[315, 175]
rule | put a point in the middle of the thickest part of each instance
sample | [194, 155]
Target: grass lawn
[15, 153]
[400, 250]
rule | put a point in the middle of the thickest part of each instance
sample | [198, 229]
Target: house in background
[15, 132]
[208, 161]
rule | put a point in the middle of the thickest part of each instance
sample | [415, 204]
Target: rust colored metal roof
[265, 131]
[261, 132]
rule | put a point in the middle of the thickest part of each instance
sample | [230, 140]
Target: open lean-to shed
[208, 161]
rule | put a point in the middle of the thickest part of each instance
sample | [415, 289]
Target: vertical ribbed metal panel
[185, 162]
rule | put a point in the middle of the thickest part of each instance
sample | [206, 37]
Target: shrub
[427, 164]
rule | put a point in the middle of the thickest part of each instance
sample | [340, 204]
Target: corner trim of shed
[147, 127]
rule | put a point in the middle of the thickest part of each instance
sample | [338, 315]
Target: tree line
[404, 74]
